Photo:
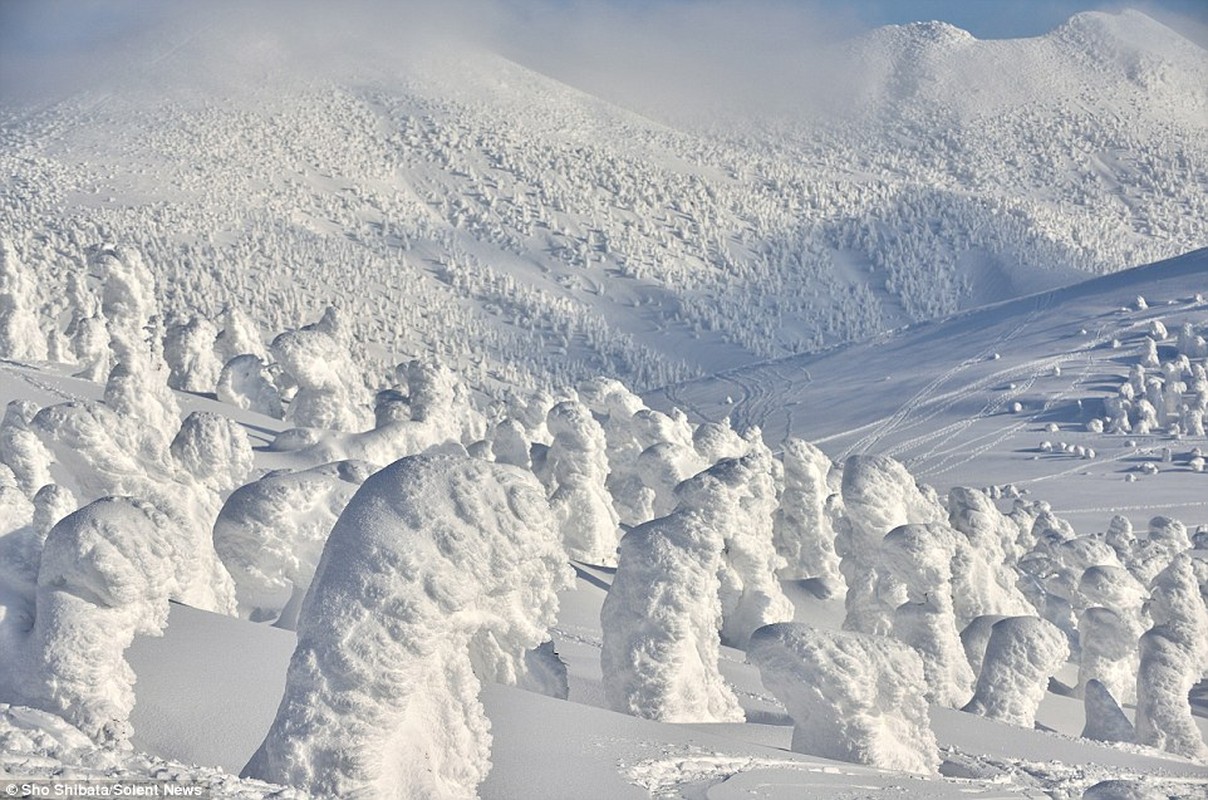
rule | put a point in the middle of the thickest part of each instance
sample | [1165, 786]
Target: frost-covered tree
[510, 443]
[21, 449]
[916, 565]
[804, 525]
[439, 564]
[270, 534]
[663, 466]
[662, 616]
[983, 575]
[578, 467]
[21, 339]
[1164, 539]
[330, 392]
[715, 441]
[616, 407]
[189, 351]
[239, 336]
[1021, 656]
[878, 496]
[1110, 620]
[751, 596]
[851, 697]
[245, 382]
[104, 574]
[212, 450]
[1174, 656]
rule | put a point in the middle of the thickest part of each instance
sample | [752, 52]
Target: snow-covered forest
[427, 427]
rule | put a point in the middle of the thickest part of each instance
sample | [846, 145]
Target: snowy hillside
[458, 203]
[403, 421]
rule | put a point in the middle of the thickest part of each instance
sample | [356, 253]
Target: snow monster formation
[852, 697]
[441, 572]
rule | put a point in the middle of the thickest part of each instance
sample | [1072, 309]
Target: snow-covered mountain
[457, 202]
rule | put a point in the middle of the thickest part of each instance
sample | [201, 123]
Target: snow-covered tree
[104, 574]
[1021, 655]
[983, 575]
[239, 336]
[21, 449]
[804, 528]
[245, 382]
[751, 596]
[330, 392]
[662, 616]
[21, 339]
[1110, 620]
[852, 697]
[1174, 656]
[438, 564]
[189, 351]
[916, 565]
[270, 534]
[878, 496]
[578, 467]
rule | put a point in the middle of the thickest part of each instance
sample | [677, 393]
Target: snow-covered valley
[423, 426]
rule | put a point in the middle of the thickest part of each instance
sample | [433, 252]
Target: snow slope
[942, 397]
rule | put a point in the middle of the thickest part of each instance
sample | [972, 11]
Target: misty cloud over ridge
[666, 59]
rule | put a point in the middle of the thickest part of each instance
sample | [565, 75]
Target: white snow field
[421, 426]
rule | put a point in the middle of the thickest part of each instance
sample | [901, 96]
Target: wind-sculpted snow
[852, 697]
[440, 568]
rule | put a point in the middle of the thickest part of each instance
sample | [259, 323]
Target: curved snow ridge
[674, 777]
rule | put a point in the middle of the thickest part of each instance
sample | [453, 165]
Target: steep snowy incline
[1021, 391]
[457, 202]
